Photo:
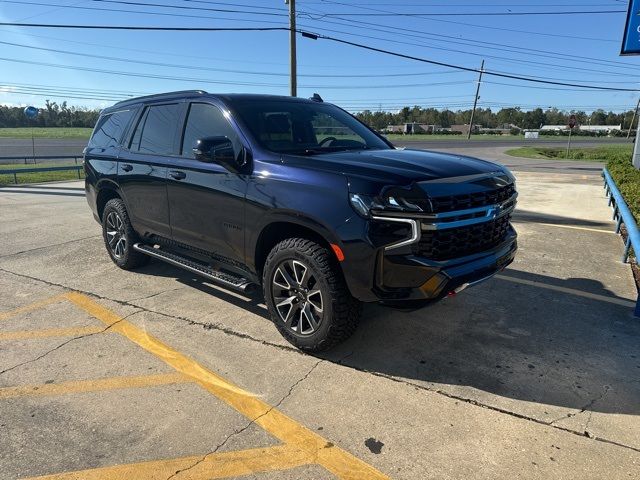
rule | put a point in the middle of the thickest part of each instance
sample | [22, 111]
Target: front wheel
[119, 236]
[307, 297]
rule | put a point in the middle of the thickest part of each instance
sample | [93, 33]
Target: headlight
[389, 202]
[361, 204]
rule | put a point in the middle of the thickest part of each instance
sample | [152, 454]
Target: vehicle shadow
[251, 301]
[510, 339]
[525, 216]
[520, 336]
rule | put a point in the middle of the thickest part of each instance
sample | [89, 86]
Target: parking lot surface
[156, 374]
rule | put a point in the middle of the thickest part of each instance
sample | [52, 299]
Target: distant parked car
[296, 197]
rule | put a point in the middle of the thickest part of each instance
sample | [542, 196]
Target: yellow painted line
[32, 306]
[570, 291]
[337, 461]
[572, 227]
[51, 332]
[217, 465]
[101, 384]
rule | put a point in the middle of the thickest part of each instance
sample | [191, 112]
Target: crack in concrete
[583, 409]
[155, 294]
[49, 246]
[127, 303]
[438, 391]
[251, 422]
[67, 342]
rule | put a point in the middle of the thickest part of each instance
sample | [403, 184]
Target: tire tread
[346, 309]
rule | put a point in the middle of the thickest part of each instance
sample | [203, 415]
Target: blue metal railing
[26, 159]
[622, 215]
[16, 171]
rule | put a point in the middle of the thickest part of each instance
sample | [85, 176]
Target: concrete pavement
[534, 374]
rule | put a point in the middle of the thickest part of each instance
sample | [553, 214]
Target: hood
[398, 167]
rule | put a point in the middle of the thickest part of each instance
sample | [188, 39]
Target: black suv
[298, 197]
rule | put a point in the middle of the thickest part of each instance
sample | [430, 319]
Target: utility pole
[633, 119]
[475, 102]
[293, 81]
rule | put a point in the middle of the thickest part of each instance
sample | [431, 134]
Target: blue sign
[631, 39]
[31, 112]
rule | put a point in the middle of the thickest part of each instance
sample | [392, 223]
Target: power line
[113, 46]
[453, 39]
[236, 5]
[183, 7]
[473, 25]
[244, 72]
[474, 14]
[139, 12]
[218, 82]
[160, 29]
[472, 42]
[316, 36]
[355, 4]
[218, 10]
[469, 69]
[483, 55]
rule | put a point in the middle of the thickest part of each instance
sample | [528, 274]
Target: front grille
[459, 242]
[451, 203]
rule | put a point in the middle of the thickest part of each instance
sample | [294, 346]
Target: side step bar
[221, 278]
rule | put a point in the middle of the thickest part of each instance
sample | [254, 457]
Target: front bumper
[384, 276]
[415, 278]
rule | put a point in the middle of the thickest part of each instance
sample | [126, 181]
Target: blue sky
[574, 48]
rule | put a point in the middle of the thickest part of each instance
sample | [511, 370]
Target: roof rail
[161, 95]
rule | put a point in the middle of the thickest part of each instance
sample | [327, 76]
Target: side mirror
[216, 150]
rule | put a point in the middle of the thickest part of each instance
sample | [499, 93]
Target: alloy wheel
[297, 297]
[116, 236]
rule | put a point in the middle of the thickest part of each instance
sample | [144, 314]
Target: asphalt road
[43, 146]
[155, 374]
[497, 142]
[13, 147]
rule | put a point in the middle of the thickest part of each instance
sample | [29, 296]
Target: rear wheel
[119, 236]
[307, 297]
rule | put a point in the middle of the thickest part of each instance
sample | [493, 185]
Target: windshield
[305, 128]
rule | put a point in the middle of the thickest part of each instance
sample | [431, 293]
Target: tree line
[52, 115]
[489, 119]
[63, 115]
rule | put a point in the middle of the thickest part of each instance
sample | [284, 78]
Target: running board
[221, 278]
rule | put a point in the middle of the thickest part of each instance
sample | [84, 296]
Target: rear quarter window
[156, 130]
[110, 128]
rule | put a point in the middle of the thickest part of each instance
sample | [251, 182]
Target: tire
[317, 312]
[119, 236]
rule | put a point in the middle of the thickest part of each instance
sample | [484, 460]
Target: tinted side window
[206, 120]
[109, 129]
[156, 130]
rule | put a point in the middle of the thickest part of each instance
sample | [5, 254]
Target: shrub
[627, 178]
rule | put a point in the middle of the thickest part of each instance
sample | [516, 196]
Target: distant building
[585, 128]
[600, 128]
[465, 128]
[409, 128]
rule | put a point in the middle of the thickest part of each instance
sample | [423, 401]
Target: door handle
[177, 174]
[126, 167]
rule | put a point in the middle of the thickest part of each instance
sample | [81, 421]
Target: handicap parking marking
[300, 446]
[51, 332]
[101, 384]
[213, 466]
[32, 306]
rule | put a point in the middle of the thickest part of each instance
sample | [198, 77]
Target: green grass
[38, 132]
[37, 177]
[426, 138]
[596, 154]
[627, 178]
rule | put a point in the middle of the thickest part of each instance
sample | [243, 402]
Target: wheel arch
[276, 231]
[106, 191]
